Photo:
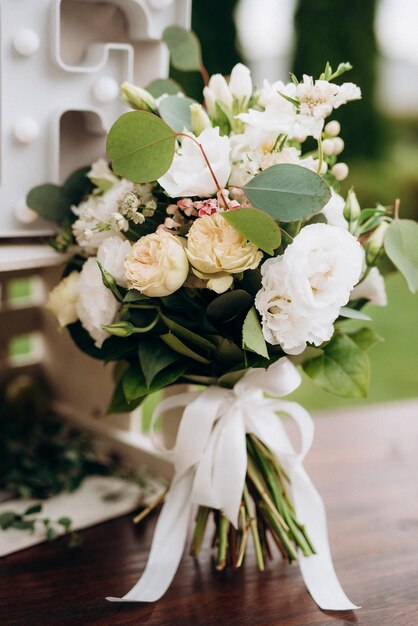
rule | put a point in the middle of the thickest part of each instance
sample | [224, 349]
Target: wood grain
[366, 468]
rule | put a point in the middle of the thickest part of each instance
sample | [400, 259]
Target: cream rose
[157, 264]
[216, 250]
[62, 300]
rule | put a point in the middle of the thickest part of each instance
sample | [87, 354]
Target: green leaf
[49, 202]
[6, 519]
[350, 313]
[252, 335]
[231, 378]
[288, 192]
[162, 86]
[154, 356]
[53, 202]
[342, 369]
[365, 338]
[401, 246]
[187, 334]
[65, 522]
[228, 305]
[175, 111]
[35, 508]
[134, 384]
[141, 146]
[257, 226]
[119, 403]
[51, 533]
[184, 49]
[178, 346]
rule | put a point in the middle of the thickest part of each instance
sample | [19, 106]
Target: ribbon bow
[210, 461]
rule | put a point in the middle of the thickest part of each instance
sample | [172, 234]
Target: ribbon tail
[167, 545]
[317, 570]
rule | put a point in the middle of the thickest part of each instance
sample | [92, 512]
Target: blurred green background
[378, 37]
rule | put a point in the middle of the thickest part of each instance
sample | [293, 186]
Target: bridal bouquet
[216, 251]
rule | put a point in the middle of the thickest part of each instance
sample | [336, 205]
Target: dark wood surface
[365, 465]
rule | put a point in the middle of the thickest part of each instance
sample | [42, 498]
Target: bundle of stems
[266, 512]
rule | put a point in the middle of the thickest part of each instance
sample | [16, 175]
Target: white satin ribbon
[210, 462]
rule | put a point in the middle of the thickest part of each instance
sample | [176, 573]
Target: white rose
[283, 321]
[189, 174]
[323, 263]
[62, 300]
[157, 264]
[372, 288]
[96, 305]
[216, 250]
[111, 255]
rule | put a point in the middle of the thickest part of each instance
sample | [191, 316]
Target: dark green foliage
[343, 30]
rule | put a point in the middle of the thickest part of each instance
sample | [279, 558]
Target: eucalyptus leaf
[343, 368]
[162, 86]
[140, 146]
[256, 226]
[53, 202]
[175, 111]
[252, 335]
[288, 192]
[184, 47]
[401, 246]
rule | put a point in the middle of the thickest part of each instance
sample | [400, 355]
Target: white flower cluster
[108, 210]
[303, 289]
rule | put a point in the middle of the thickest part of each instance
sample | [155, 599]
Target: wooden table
[365, 465]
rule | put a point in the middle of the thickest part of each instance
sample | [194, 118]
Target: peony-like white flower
[216, 250]
[96, 304]
[62, 300]
[283, 321]
[304, 289]
[372, 288]
[157, 264]
[324, 263]
[189, 174]
[111, 255]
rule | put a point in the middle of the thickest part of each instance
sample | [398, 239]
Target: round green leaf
[288, 192]
[257, 226]
[140, 146]
[401, 246]
[175, 111]
[184, 49]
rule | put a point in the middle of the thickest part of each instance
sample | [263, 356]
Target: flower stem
[223, 542]
[138, 518]
[199, 531]
[254, 530]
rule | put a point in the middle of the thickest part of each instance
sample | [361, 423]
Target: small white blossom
[118, 222]
[372, 288]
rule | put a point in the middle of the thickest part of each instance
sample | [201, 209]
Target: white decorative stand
[61, 64]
